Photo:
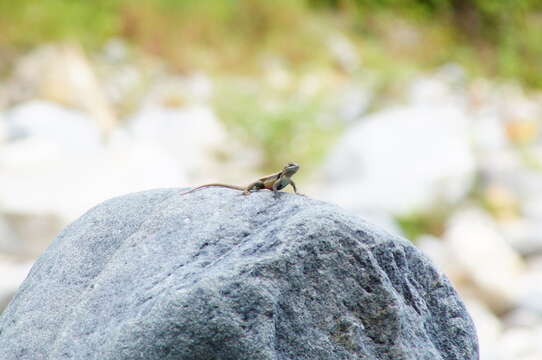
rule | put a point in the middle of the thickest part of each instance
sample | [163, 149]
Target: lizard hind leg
[258, 185]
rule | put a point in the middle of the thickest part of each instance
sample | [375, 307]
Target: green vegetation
[393, 39]
[422, 223]
[499, 38]
[283, 123]
[25, 23]
[247, 43]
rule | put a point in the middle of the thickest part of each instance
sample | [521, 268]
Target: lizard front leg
[295, 189]
[293, 185]
[277, 185]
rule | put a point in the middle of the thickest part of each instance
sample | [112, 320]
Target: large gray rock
[218, 275]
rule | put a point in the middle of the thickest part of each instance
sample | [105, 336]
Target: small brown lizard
[274, 182]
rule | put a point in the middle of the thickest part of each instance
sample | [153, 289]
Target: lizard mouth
[292, 166]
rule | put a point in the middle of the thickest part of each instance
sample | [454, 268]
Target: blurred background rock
[422, 116]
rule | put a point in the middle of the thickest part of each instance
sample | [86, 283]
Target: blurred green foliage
[394, 37]
[27, 22]
[496, 37]
[423, 223]
[499, 38]
[284, 124]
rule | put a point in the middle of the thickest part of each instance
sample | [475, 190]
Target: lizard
[273, 182]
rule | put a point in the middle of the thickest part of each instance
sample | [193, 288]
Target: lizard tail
[215, 185]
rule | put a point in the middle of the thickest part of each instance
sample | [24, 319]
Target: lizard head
[290, 168]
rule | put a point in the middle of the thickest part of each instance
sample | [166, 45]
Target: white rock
[3, 130]
[440, 255]
[8, 238]
[75, 185]
[60, 73]
[488, 328]
[276, 73]
[189, 134]
[13, 274]
[518, 106]
[440, 88]
[344, 51]
[520, 344]
[115, 50]
[402, 160]
[54, 125]
[27, 234]
[36, 166]
[533, 207]
[524, 235]
[352, 102]
[381, 219]
[180, 91]
[522, 317]
[125, 85]
[60, 167]
[486, 258]
[500, 165]
[429, 90]
[523, 181]
[488, 134]
[531, 293]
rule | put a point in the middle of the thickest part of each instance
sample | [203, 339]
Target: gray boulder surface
[218, 275]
